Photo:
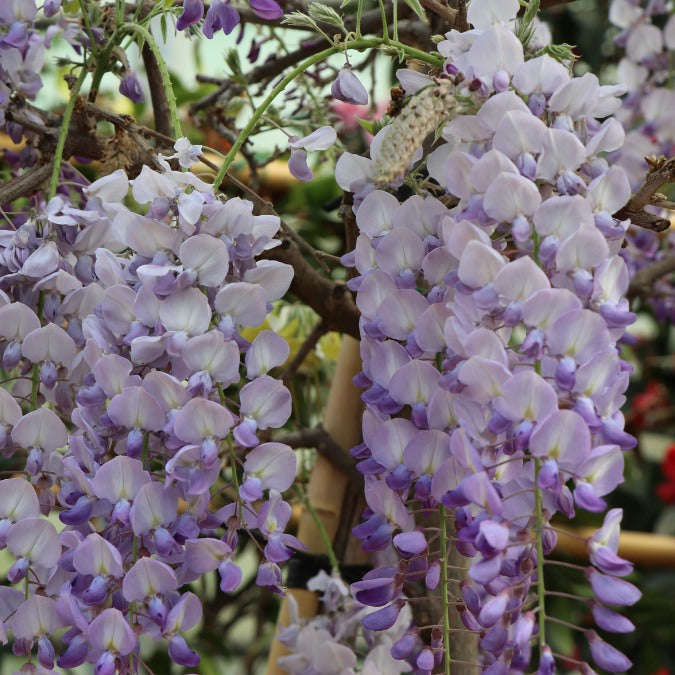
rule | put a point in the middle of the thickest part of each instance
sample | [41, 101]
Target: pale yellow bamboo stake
[327, 484]
[642, 548]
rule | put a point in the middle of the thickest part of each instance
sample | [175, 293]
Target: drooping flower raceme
[124, 328]
[489, 330]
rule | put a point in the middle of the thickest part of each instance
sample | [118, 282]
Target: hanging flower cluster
[489, 338]
[122, 331]
[646, 114]
[330, 641]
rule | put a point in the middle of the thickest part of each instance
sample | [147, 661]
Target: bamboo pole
[327, 484]
[642, 548]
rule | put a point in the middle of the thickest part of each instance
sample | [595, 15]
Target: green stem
[357, 44]
[87, 24]
[359, 13]
[334, 562]
[63, 133]
[394, 20]
[444, 588]
[35, 375]
[385, 26]
[164, 73]
[539, 527]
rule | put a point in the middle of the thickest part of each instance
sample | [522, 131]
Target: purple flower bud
[425, 660]
[546, 662]
[230, 576]
[130, 87]
[410, 543]
[266, 9]
[606, 656]
[134, 443]
[382, 619]
[609, 620]
[612, 590]
[165, 543]
[501, 81]
[220, 15]
[11, 355]
[180, 653]
[193, 11]
[51, 7]
[76, 653]
[565, 374]
[348, 88]
[97, 591]
[297, 165]
[494, 609]
[35, 461]
[45, 652]
[79, 513]
[549, 476]
[18, 570]
[537, 103]
[403, 648]
[157, 610]
[105, 664]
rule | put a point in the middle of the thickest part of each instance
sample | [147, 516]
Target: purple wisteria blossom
[493, 381]
[129, 341]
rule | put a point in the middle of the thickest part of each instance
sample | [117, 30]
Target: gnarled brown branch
[642, 282]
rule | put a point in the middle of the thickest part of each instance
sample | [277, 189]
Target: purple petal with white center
[244, 302]
[603, 468]
[580, 334]
[520, 279]
[519, 132]
[585, 249]
[207, 256]
[50, 343]
[112, 373]
[200, 418]
[187, 311]
[18, 500]
[267, 401]
[510, 196]
[414, 383]
[484, 379]
[348, 88]
[268, 350]
[479, 264]
[94, 555]
[41, 428]
[205, 554]
[562, 151]
[274, 277]
[274, 464]
[321, 139]
[426, 451]
[399, 313]
[35, 617]
[213, 354]
[135, 408]
[375, 214]
[155, 506]
[527, 396]
[41, 262]
[543, 74]
[35, 540]
[496, 48]
[119, 478]
[563, 436]
[148, 577]
[110, 631]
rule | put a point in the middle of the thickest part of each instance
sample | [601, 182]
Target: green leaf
[324, 14]
[162, 25]
[367, 125]
[299, 20]
[417, 8]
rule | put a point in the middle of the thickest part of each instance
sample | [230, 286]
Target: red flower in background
[645, 405]
[666, 491]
